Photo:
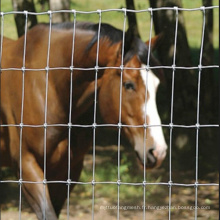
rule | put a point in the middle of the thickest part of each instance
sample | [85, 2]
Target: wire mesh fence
[95, 125]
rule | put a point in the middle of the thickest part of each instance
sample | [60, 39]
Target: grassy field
[193, 20]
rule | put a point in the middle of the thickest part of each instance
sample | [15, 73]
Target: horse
[37, 88]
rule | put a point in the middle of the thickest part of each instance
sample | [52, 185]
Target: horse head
[135, 108]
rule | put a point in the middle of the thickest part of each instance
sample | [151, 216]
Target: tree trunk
[43, 3]
[164, 21]
[208, 52]
[56, 5]
[185, 88]
[21, 5]
[207, 95]
[132, 20]
[209, 105]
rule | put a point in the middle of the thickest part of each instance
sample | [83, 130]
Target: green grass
[107, 172]
[193, 20]
[193, 23]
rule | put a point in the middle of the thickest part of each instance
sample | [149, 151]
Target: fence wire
[94, 126]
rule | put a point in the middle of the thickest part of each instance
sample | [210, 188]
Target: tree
[56, 5]
[164, 21]
[208, 53]
[186, 84]
[208, 59]
[28, 5]
[43, 3]
[132, 20]
[21, 5]
[209, 94]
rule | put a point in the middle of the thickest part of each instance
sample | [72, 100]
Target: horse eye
[129, 85]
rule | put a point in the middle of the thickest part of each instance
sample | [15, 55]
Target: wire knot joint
[99, 12]
[70, 125]
[197, 125]
[68, 182]
[25, 13]
[200, 67]
[202, 8]
[170, 183]
[119, 125]
[171, 125]
[125, 11]
[150, 10]
[145, 126]
[20, 181]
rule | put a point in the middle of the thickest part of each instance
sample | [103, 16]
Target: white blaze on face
[150, 109]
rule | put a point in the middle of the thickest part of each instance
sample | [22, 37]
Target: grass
[193, 20]
[107, 171]
[193, 23]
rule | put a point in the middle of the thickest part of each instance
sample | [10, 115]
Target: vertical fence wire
[145, 113]
[120, 109]
[45, 115]
[22, 113]
[94, 115]
[70, 115]
[171, 111]
[197, 116]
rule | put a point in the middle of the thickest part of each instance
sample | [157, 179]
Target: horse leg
[37, 194]
[58, 199]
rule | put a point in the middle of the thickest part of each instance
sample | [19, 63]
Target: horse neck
[109, 55]
[84, 57]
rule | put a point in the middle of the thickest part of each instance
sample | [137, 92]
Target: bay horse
[136, 109]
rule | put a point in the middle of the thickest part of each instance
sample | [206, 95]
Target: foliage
[193, 20]
[108, 171]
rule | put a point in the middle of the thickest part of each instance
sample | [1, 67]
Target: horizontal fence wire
[94, 125]
[73, 11]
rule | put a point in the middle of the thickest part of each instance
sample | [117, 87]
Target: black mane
[112, 33]
[133, 45]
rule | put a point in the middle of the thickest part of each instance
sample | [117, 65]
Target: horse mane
[133, 45]
[113, 34]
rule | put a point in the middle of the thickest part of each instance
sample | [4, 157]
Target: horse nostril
[151, 159]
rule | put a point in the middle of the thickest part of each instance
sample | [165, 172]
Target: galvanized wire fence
[95, 125]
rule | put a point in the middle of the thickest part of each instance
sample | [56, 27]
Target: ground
[183, 199]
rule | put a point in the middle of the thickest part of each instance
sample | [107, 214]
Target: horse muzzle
[153, 158]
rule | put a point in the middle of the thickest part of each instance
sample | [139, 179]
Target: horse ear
[156, 41]
[87, 98]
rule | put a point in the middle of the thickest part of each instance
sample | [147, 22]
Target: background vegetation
[193, 20]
